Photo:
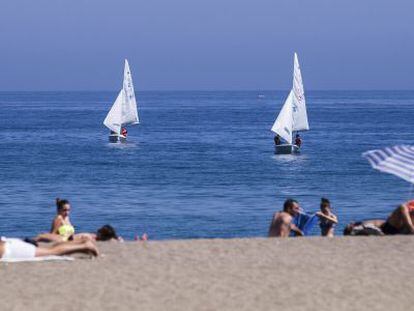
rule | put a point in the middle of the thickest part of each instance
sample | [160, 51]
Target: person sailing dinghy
[293, 116]
[124, 110]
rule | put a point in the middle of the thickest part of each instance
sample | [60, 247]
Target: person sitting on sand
[19, 249]
[327, 220]
[401, 220]
[62, 229]
[281, 224]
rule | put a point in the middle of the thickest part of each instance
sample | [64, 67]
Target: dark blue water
[200, 164]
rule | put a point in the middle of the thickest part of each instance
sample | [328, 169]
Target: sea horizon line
[206, 91]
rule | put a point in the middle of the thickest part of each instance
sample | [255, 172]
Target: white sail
[113, 120]
[129, 109]
[284, 122]
[300, 117]
[124, 110]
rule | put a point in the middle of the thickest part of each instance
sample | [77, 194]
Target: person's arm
[296, 230]
[1, 249]
[331, 217]
[406, 218]
[57, 222]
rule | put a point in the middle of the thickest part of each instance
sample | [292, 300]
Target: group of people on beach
[283, 224]
[63, 237]
[65, 240]
[400, 221]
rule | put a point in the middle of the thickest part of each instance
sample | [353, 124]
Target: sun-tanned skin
[64, 248]
[61, 218]
[371, 222]
[402, 218]
[327, 218]
[281, 224]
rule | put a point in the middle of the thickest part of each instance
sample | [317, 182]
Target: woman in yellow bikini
[62, 229]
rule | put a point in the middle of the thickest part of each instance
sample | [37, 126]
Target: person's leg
[400, 219]
[67, 248]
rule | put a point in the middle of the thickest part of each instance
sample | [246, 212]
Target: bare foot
[91, 247]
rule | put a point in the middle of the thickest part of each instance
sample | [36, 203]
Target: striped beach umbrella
[397, 160]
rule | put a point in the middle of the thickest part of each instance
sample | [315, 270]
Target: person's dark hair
[60, 203]
[106, 233]
[325, 202]
[288, 204]
[348, 229]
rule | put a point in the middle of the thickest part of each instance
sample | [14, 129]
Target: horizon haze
[194, 45]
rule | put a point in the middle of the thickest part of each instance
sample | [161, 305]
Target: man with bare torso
[281, 224]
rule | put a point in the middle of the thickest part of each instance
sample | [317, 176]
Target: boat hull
[286, 149]
[115, 138]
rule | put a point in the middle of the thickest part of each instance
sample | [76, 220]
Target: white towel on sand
[44, 258]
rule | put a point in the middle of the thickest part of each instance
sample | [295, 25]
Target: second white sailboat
[124, 110]
[293, 116]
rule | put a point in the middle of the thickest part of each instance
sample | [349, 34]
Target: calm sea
[200, 164]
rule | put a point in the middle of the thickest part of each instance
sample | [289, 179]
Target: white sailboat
[293, 116]
[124, 110]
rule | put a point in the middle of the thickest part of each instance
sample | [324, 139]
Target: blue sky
[206, 44]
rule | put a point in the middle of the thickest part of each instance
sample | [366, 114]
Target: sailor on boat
[124, 132]
[298, 140]
[277, 140]
[292, 117]
[124, 110]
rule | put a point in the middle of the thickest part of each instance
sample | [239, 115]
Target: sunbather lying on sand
[281, 224]
[366, 227]
[105, 233]
[18, 249]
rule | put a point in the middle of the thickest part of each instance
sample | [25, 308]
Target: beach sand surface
[359, 273]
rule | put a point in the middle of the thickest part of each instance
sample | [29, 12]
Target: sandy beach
[238, 274]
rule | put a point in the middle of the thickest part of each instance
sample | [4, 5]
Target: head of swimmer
[63, 207]
[291, 207]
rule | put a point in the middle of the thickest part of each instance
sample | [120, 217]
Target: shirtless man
[281, 224]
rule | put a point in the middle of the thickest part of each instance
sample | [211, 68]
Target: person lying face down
[281, 224]
[366, 227]
[18, 249]
[105, 233]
